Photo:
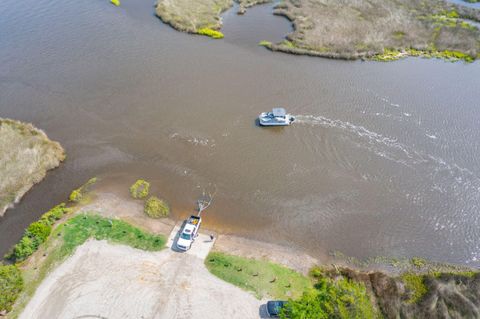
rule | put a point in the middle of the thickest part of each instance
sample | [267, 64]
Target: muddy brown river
[382, 161]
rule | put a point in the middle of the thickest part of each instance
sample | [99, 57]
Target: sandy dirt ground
[101, 280]
[110, 204]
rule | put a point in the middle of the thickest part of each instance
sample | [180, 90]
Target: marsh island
[378, 30]
[26, 154]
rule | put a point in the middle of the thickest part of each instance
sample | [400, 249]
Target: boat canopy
[279, 112]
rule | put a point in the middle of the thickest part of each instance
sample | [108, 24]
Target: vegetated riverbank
[424, 291]
[49, 241]
[410, 288]
[379, 30]
[26, 154]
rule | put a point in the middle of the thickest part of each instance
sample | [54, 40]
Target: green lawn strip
[73, 233]
[81, 227]
[261, 277]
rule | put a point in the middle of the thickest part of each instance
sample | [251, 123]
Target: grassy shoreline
[373, 30]
[26, 154]
[370, 30]
[418, 288]
[342, 292]
[261, 277]
[69, 232]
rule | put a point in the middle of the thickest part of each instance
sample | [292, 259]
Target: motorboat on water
[278, 117]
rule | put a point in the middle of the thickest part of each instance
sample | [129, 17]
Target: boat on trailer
[277, 117]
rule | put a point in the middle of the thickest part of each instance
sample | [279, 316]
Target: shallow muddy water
[382, 161]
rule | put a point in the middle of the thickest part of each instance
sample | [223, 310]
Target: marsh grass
[26, 154]
[192, 16]
[366, 29]
[415, 285]
[261, 277]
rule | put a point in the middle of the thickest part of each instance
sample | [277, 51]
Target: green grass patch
[416, 285]
[82, 227]
[140, 189]
[156, 208]
[261, 277]
[11, 284]
[210, 33]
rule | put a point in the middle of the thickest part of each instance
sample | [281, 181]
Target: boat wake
[381, 145]
[443, 178]
[193, 140]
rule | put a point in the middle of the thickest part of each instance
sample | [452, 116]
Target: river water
[382, 161]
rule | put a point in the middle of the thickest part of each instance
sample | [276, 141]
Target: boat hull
[265, 120]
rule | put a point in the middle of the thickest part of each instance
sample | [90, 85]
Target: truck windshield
[185, 236]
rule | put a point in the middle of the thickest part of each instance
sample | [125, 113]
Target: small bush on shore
[78, 194]
[339, 298]
[11, 284]
[82, 227]
[25, 247]
[140, 189]
[36, 233]
[210, 33]
[39, 231]
[156, 208]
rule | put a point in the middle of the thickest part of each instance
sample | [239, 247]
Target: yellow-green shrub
[140, 189]
[78, 194]
[156, 208]
[210, 33]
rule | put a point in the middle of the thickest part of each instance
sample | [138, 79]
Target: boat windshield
[186, 236]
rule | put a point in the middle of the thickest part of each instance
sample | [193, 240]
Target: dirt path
[102, 280]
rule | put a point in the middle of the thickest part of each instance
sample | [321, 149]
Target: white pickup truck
[189, 232]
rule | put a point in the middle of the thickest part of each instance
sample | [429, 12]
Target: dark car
[274, 307]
